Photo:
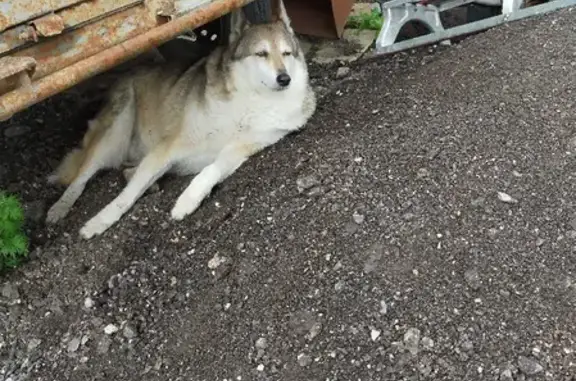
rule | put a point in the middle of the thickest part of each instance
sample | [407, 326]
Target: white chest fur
[245, 118]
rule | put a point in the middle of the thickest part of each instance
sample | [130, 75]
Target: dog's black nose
[283, 79]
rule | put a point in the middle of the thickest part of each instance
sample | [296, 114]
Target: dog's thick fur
[205, 120]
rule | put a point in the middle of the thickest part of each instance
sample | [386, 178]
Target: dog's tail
[68, 169]
[70, 166]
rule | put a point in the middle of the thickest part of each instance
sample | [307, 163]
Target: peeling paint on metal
[14, 12]
[49, 25]
[15, 72]
[72, 17]
[13, 65]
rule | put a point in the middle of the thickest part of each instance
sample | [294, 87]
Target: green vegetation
[13, 241]
[366, 20]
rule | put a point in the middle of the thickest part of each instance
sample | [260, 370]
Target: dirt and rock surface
[422, 227]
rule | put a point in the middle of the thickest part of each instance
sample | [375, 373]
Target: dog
[205, 120]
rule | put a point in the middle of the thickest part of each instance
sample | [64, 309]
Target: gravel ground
[422, 227]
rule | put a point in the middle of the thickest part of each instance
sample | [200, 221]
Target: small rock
[473, 279]
[425, 369]
[16, 130]
[427, 343]
[358, 218]
[529, 366]
[342, 72]
[467, 345]
[478, 202]
[314, 331]
[103, 345]
[33, 344]
[260, 368]
[350, 228]
[304, 360]
[261, 343]
[306, 182]
[88, 303]
[375, 254]
[9, 291]
[73, 345]
[506, 375]
[216, 261]
[375, 334]
[504, 197]
[412, 340]
[110, 329]
[383, 307]
[129, 332]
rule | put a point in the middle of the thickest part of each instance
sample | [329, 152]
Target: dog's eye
[262, 54]
[286, 54]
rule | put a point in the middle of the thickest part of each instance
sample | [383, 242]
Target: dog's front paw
[94, 227]
[56, 213]
[184, 206]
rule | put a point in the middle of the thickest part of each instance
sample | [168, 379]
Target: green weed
[366, 20]
[13, 241]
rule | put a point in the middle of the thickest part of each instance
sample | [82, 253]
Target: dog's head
[267, 55]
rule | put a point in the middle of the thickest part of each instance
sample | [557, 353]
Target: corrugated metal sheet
[14, 12]
[62, 21]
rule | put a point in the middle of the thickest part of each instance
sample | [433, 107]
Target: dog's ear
[280, 15]
[238, 24]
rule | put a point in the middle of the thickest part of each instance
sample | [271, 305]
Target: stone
[9, 291]
[110, 329]
[103, 345]
[306, 182]
[33, 344]
[88, 303]
[16, 130]
[374, 256]
[342, 72]
[412, 340]
[375, 334]
[73, 345]
[472, 279]
[304, 360]
[353, 44]
[529, 366]
[129, 332]
[506, 375]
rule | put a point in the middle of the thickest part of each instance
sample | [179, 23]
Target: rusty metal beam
[65, 78]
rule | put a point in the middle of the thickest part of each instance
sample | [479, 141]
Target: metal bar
[21, 98]
[474, 27]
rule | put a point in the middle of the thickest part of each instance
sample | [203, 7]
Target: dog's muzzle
[283, 80]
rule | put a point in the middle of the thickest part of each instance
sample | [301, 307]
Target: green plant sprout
[366, 20]
[13, 241]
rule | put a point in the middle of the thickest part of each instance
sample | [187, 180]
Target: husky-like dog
[205, 120]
